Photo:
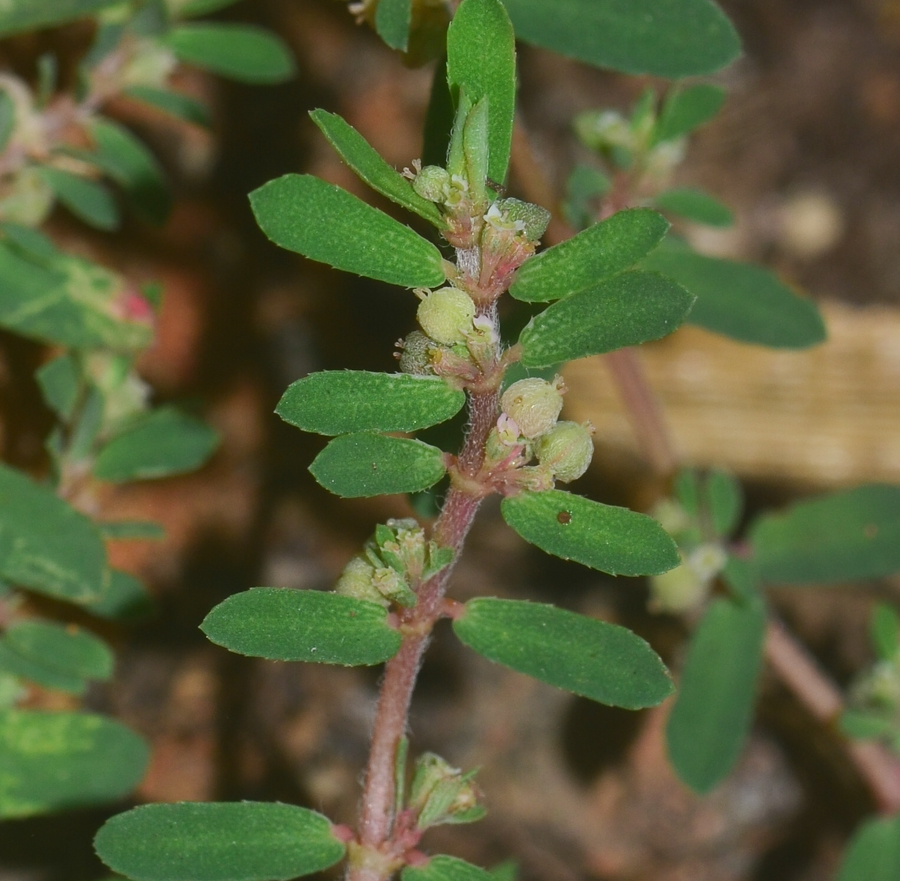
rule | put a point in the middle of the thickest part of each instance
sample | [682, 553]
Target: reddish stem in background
[791, 662]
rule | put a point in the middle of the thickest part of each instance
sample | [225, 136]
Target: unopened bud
[446, 315]
[533, 404]
[566, 450]
[432, 183]
[356, 581]
[678, 590]
[441, 793]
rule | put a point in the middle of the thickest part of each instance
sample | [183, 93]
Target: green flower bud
[524, 217]
[356, 581]
[533, 404]
[432, 183]
[415, 354]
[446, 315]
[678, 590]
[566, 450]
[441, 793]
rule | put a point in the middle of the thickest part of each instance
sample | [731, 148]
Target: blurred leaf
[124, 598]
[742, 580]
[837, 537]
[131, 529]
[131, 165]
[744, 302]
[611, 539]
[368, 464]
[596, 253]
[58, 761]
[630, 308]
[68, 648]
[7, 117]
[15, 664]
[862, 725]
[60, 382]
[716, 693]
[725, 500]
[45, 544]
[203, 7]
[508, 870]
[328, 224]
[687, 491]
[884, 629]
[241, 52]
[696, 205]
[28, 15]
[218, 841]
[86, 199]
[668, 38]
[175, 103]
[438, 118]
[584, 185]
[873, 853]
[164, 443]
[445, 868]
[481, 60]
[341, 401]
[370, 167]
[686, 109]
[302, 625]
[392, 18]
[600, 661]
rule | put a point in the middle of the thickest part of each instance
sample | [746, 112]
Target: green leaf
[238, 51]
[218, 841]
[837, 537]
[356, 151]
[744, 302]
[174, 103]
[131, 165]
[584, 185]
[58, 761]
[630, 308]
[15, 664]
[742, 579]
[860, 725]
[60, 383]
[369, 464]
[668, 38]
[601, 661]
[28, 15]
[328, 224]
[164, 443]
[438, 118]
[597, 253]
[481, 60]
[392, 18]
[725, 501]
[203, 7]
[86, 199]
[303, 625]
[66, 300]
[874, 852]
[131, 529]
[884, 629]
[687, 491]
[696, 205]
[124, 598]
[7, 118]
[444, 868]
[604, 537]
[712, 714]
[45, 544]
[341, 401]
[686, 109]
[70, 649]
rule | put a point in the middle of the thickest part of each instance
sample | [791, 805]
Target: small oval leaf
[604, 537]
[340, 401]
[446, 868]
[600, 251]
[481, 60]
[67, 648]
[744, 302]
[686, 109]
[837, 537]
[600, 661]
[668, 38]
[328, 224]
[874, 852]
[87, 199]
[242, 52]
[28, 15]
[716, 693]
[356, 151]
[368, 464]
[303, 625]
[175, 103]
[165, 443]
[625, 310]
[218, 841]
[56, 761]
[392, 18]
[697, 205]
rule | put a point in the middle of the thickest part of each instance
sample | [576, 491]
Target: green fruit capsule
[446, 315]
[533, 404]
[566, 450]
